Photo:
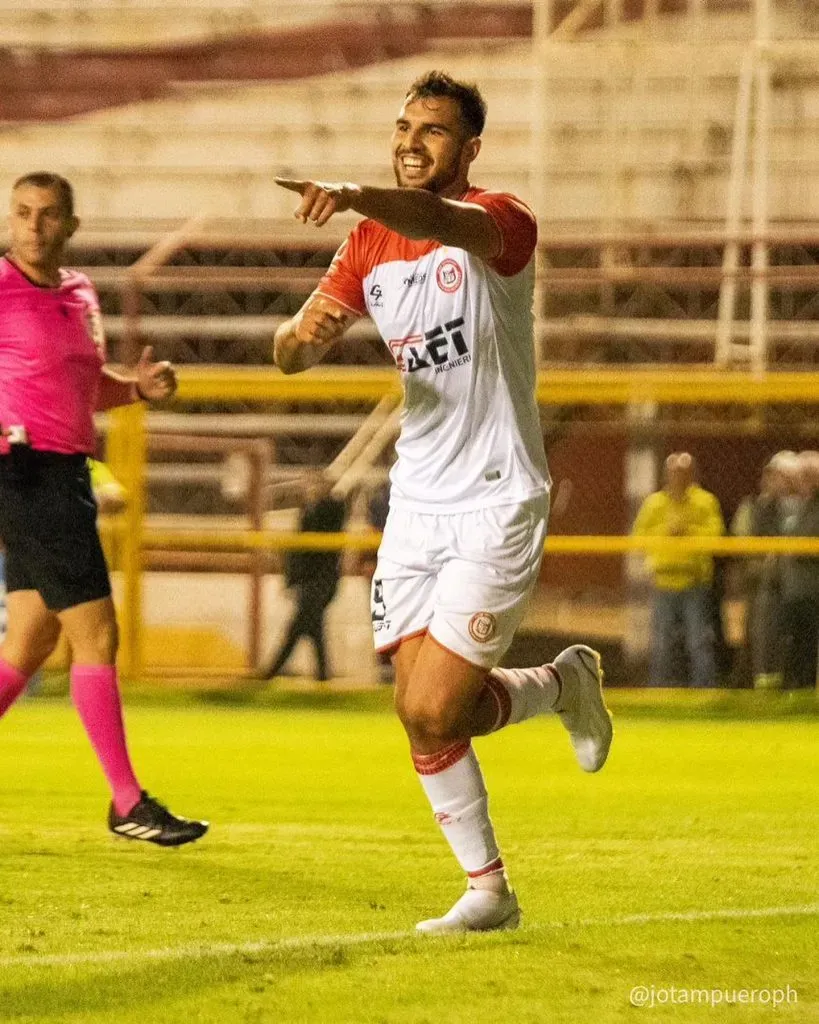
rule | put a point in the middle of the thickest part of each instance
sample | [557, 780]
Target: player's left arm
[413, 213]
[150, 381]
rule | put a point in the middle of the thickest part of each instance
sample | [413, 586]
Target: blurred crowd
[780, 592]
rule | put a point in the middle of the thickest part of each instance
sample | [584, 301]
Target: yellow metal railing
[692, 386]
[566, 544]
[127, 454]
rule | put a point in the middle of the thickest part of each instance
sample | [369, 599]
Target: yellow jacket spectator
[693, 513]
[682, 579]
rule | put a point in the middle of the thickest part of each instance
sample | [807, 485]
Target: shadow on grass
[190, 983]
[239, 694]
[705, 705]
[671, 704]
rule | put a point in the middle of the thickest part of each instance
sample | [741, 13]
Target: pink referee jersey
[460, 331]
[52, 352]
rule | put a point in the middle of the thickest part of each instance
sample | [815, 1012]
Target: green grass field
[691, 861]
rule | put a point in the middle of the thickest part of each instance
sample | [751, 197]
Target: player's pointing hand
[154, 381]
[320, 199]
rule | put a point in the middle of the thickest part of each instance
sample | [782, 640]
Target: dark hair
[46, 179]
[467, 95]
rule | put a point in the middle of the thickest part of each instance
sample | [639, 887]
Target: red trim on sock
[393, 647]
[432, 764]
[550, 668]
[502, 699]
[490, 869]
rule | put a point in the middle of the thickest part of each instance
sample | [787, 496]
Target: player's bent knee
[430, 724]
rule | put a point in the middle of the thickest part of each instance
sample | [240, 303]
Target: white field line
[226, 949]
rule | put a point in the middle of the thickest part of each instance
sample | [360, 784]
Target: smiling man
[53, 377]
[446, 271]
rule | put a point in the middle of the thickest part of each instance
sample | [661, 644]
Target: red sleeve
[344, 278]
[518, 230]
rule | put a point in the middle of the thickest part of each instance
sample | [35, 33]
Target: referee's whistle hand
[155, 381]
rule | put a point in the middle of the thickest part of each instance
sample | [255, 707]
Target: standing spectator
[312, 575]
[800, 582]
[682, 580]
[765, 515]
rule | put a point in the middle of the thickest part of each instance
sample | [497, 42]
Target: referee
[53, 378]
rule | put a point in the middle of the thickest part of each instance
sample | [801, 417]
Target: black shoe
[152, 822]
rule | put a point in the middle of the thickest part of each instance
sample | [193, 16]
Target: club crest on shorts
[482, 627]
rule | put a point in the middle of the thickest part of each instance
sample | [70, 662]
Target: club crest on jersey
[442, 348]
[482, 627]
[449, 275]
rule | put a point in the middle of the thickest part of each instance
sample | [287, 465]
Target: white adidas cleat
[478, 910]
[582, 708]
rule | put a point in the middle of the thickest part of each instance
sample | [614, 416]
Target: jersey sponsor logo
[376, 297]
[414, 279]
[441, 348]
[482, 627]
[449, 276]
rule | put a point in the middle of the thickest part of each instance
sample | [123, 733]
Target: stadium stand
[618, 121]
[211, 142]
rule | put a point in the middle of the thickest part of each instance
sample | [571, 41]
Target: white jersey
[460, 331]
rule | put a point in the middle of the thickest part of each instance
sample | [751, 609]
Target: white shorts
[464, 578]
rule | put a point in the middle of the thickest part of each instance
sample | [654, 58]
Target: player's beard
[440, 181]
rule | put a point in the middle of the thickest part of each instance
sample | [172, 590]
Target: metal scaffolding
[749, 273]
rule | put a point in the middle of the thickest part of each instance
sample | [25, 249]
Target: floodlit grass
[299, 906]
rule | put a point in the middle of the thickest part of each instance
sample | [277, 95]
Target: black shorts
[48, 525]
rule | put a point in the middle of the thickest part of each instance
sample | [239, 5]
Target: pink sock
[12, 684]
[95, 694]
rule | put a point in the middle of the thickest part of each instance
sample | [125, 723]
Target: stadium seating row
[646, 123]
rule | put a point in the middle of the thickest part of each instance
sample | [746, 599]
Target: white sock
[453, 782]
[522, 693]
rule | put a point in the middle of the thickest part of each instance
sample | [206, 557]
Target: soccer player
[446, 272]
[52, 378]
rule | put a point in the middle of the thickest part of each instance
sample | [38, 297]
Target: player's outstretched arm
[412, 212]
[305, 339]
